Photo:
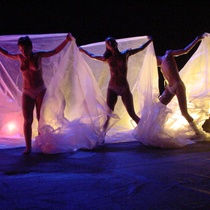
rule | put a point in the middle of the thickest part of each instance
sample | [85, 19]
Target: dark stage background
[172, 24]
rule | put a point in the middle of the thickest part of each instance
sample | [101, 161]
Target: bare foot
[199, 136]
[26, 151]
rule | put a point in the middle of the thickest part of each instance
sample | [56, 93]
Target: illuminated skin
[31, 69]
[118, 84]
[170, 72]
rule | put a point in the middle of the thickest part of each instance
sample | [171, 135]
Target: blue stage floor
[117, 176]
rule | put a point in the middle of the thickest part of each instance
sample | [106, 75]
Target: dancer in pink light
[33, 84]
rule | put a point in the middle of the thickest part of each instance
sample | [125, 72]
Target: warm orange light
[178, 123]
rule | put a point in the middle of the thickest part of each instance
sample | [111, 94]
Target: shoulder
[169, 52]
[159, 60]
[20, 57]
[125, 52]
[38, 54]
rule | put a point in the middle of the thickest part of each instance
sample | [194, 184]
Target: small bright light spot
[11, 127]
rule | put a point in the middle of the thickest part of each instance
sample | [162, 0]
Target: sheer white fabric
[165, 127]
[74, 108]
[11, 121]
[142, 77]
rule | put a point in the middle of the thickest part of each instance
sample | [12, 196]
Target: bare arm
[188, 47]
[142, 47]
[8, 55]
[159, 60]
[60, 47]
[91, 55]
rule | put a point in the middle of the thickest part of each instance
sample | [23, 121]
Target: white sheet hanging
[165, 127]
[74, 108]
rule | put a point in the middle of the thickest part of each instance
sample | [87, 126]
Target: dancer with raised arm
[175, 85]
[33, 84]
[118, 84]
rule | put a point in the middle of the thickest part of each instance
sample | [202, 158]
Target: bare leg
[181, 96]
[127, 99]
[166, 97]
[39, 100]
[27, 109]
[111, 100]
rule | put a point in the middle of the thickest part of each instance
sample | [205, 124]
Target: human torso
[118, 70]
[169, 69]
[31, 70]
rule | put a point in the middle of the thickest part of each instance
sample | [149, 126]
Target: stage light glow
[11, 127]
[178, 123]
[209, 109]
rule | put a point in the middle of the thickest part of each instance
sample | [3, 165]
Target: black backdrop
[172, 24]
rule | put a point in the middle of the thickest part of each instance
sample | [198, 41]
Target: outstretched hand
[69, 37]
[150, 38]
[205, 34]
[81, 49]
[200, 37]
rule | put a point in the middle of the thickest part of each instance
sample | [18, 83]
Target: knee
[187, 116]
[28, 121]
[184, 112]
[111, 104]
[164, 100]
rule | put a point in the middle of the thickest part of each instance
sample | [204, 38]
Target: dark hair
[107, 53]
[113, 42]
[25, 41]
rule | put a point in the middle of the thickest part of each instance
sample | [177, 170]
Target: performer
[118, 84]
[33, 84]
[175, 85]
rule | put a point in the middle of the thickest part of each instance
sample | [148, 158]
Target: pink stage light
[10, 129]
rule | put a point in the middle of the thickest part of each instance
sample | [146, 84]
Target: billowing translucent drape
[165, 127]
[11, 120]
[142, 77]
[74, 108]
